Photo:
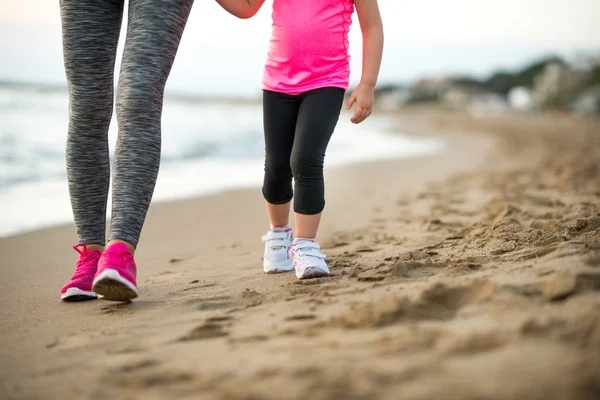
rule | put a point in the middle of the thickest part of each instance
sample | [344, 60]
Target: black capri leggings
[297, 132]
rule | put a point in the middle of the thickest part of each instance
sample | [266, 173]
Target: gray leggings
[90, 32]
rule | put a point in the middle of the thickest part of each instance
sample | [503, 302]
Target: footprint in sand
[138, 366]
[416, 269]
[149, 377]
[126, 349]
[203, 286]
[119, 308]
[301, 317]
[211, 303]
[364, 249]
[249, 339]
[220, 318]
[205, 331]
[213, 327]
[371, 278]
[438, 302]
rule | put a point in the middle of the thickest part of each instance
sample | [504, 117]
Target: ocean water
[207, 147]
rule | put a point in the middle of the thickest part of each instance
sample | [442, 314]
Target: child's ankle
[286, 226]
[299, 239]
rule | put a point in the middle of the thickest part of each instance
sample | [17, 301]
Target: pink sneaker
[80, 286]
[115, 279]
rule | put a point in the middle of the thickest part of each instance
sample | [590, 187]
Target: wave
[198, 138]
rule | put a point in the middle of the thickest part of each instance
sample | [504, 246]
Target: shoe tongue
[118, 248]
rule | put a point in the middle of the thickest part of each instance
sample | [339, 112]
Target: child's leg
[307, 225]
[317, 118]
[280, 112]
[279, 214]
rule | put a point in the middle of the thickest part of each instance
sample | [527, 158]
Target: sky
[222, 55]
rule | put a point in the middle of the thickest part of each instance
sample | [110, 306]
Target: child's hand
[363, 96]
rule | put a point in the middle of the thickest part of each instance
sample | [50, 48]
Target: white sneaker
[277, 250]
[308, 260]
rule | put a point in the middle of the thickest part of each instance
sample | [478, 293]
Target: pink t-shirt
[309, 45]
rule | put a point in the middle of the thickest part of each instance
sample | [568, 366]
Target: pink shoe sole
[112, 286]
[75, 294]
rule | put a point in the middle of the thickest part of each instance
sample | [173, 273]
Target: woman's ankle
[95, 247]
[130, 247]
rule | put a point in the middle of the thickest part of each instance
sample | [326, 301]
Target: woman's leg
[90, 32]
[317, 118]
[153, 34]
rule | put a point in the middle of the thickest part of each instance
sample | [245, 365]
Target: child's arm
[241, 8]
[372, 33]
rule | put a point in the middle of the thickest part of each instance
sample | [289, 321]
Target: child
[304, 81]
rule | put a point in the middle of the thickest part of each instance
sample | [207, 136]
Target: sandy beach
[471, 274]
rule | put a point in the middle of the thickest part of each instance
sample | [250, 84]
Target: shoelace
[86, 265]
[113, 257]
